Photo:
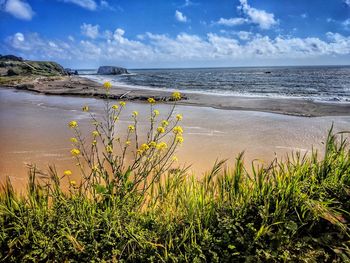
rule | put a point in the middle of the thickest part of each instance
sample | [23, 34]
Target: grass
[293, 210]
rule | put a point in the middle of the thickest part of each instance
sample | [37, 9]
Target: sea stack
[111, 70]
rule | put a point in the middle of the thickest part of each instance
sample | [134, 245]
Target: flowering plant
[106, 166]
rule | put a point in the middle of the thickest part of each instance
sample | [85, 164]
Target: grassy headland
[15, 66]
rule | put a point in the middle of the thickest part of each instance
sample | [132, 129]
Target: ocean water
[324, 83]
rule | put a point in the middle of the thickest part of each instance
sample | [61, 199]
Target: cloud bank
[184, 48]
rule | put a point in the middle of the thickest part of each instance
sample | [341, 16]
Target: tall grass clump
[134, 204]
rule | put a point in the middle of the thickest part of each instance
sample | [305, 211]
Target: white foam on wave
[104, 78]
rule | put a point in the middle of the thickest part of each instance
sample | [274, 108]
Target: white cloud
[189, 3]
[90, 30]
[232, 21]
[186, 49]
[105, 5]
[19, 37]
[262, 18]
[87, 4]
[347, 2]
[118, 35]
[93, 5]
[346, 23]
[180, 16]
[19, 9]
[252, 15]
[244, 35]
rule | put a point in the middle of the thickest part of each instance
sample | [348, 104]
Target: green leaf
[291, 225]
[100, 189]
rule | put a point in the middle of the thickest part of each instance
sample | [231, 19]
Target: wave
[326, 84]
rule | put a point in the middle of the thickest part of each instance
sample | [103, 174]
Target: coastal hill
[11, 65]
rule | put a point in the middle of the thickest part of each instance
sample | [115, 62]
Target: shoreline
[85, 87]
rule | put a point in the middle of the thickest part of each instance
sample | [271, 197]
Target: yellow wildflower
[95, 133]
[162, 145]
[135, 113]
[128, 142]
[131, 128]
[151, 100]
[72, 183]
[152, 144]
[156, 112]
[67, 172]
[175, 159]
[176, 95]
[86, 108]
[165, 123]
[179, 139]
[144, 147]
[161, 129]
[73, 140]
[107, 85]
[73, 124]
[109, 149]
[179, 117]
[94, 142]
[95, 168]
[178, 130]
[116, 118]
[115, 107]
[75, 152]
[122, 103]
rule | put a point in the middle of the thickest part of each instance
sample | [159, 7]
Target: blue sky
[183, 33]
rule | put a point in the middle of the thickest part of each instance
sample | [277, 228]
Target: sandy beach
[83, 87]
[34, 131]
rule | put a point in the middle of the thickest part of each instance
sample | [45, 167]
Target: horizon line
[221, 67]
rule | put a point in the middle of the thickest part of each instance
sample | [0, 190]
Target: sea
[318, 83]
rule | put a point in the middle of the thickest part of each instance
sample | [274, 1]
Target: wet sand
[34, 130]
[83, 87]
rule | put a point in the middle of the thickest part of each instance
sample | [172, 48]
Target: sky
[177, 33]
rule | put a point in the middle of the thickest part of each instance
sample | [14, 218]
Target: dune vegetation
[154, 210]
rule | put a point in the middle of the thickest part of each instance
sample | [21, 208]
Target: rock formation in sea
[111, 70]
[70, 71]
